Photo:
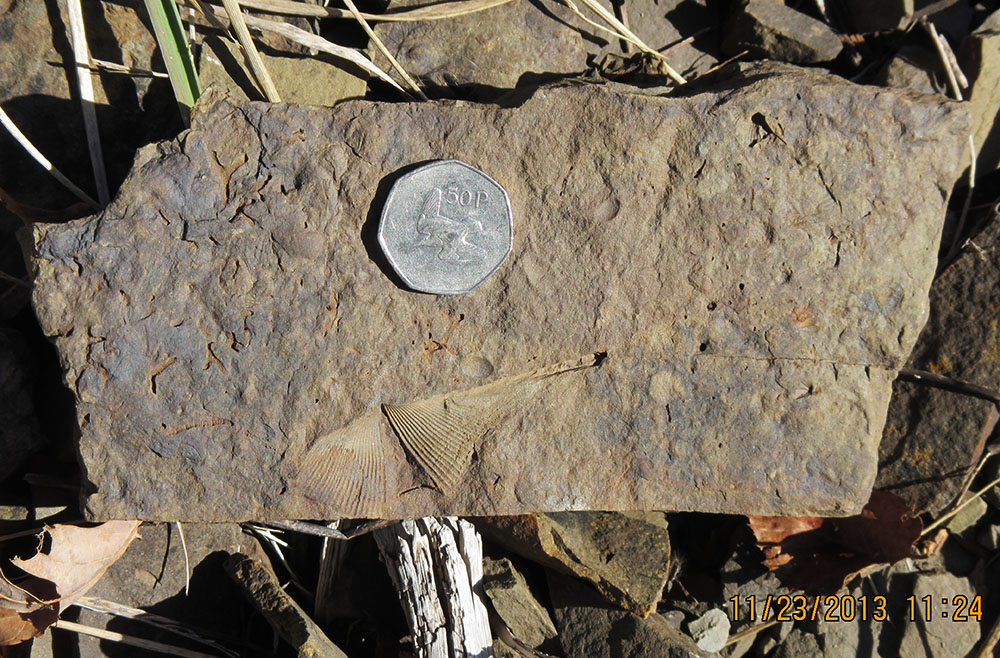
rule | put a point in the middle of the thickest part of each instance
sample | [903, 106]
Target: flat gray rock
[931, 434]
[767, 28]
[707, 300]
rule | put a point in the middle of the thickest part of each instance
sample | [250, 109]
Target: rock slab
[931, 435]
[707, 300]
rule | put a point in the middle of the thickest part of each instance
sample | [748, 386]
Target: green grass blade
[176, 54]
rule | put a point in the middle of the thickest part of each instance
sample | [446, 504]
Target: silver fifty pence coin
[446, 227]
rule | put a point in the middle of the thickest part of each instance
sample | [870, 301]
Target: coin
[446, 227]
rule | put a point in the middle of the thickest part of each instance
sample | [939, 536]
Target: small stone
[711, 630]
[988, 537]
[930, 433]
[502, 47]
[304, 80]
[979, 57]
[912, 67]
[770, 29]
[968, 516]
[626, 556]
[516, 605]
[940, 636]
[865, 16]
[589, 627]
[661, 24]
[798, 644]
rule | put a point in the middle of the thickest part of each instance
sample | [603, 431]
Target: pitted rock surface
[749, 262]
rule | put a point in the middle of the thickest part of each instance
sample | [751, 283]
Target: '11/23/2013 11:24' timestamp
[844, 607]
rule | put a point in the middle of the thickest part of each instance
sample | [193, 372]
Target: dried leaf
[820, 556]
[77, 558]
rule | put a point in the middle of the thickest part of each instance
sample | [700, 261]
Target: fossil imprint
[438, 433]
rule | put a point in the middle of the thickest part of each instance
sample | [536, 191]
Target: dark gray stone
[626, 556]
[931, 434]
[913, 68]
[726, 281]
[798, 644]
[770, 29]
[590, 628]
[515, 603]
[20, 435]
[941, 636]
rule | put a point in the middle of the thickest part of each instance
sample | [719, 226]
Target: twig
[165, 623]
[82, 56]
[97, 65]
[956, 242]
[239, 26]
[310, 40]
[187, 563]
[959, 508]
[666, 50]
[940, 45]
[382, 49]
[432, 12]
[130, 640]
[19, 137]
[324, 531]
[950, 384]
[990, 641]
[753, 630]
[725, 63]
[15, 280]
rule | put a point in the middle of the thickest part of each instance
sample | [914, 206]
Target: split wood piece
[437, 567]
[286, 617]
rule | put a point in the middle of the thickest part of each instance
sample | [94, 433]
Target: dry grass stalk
[946, 517]
[382, 49]
[187, 562]
[81, 55]
[98, 65]
[428, 13]
[19, 137]
[111, 636]
[627, 35]
[307, 39]
[118, 610]
[239, 26]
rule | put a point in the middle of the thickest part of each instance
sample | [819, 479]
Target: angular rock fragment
[711, 630]
[866, 16]
[516, 42]
[767, 28]
[935, 632]
[515, 604]
[303, 80]
[931, 434]
[626, 556]
[912, 68]
[740, 277]
[590, 628]
[662, 24]
[980, 60]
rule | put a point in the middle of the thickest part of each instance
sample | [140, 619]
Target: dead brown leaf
[76, 559]
[820, 556]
